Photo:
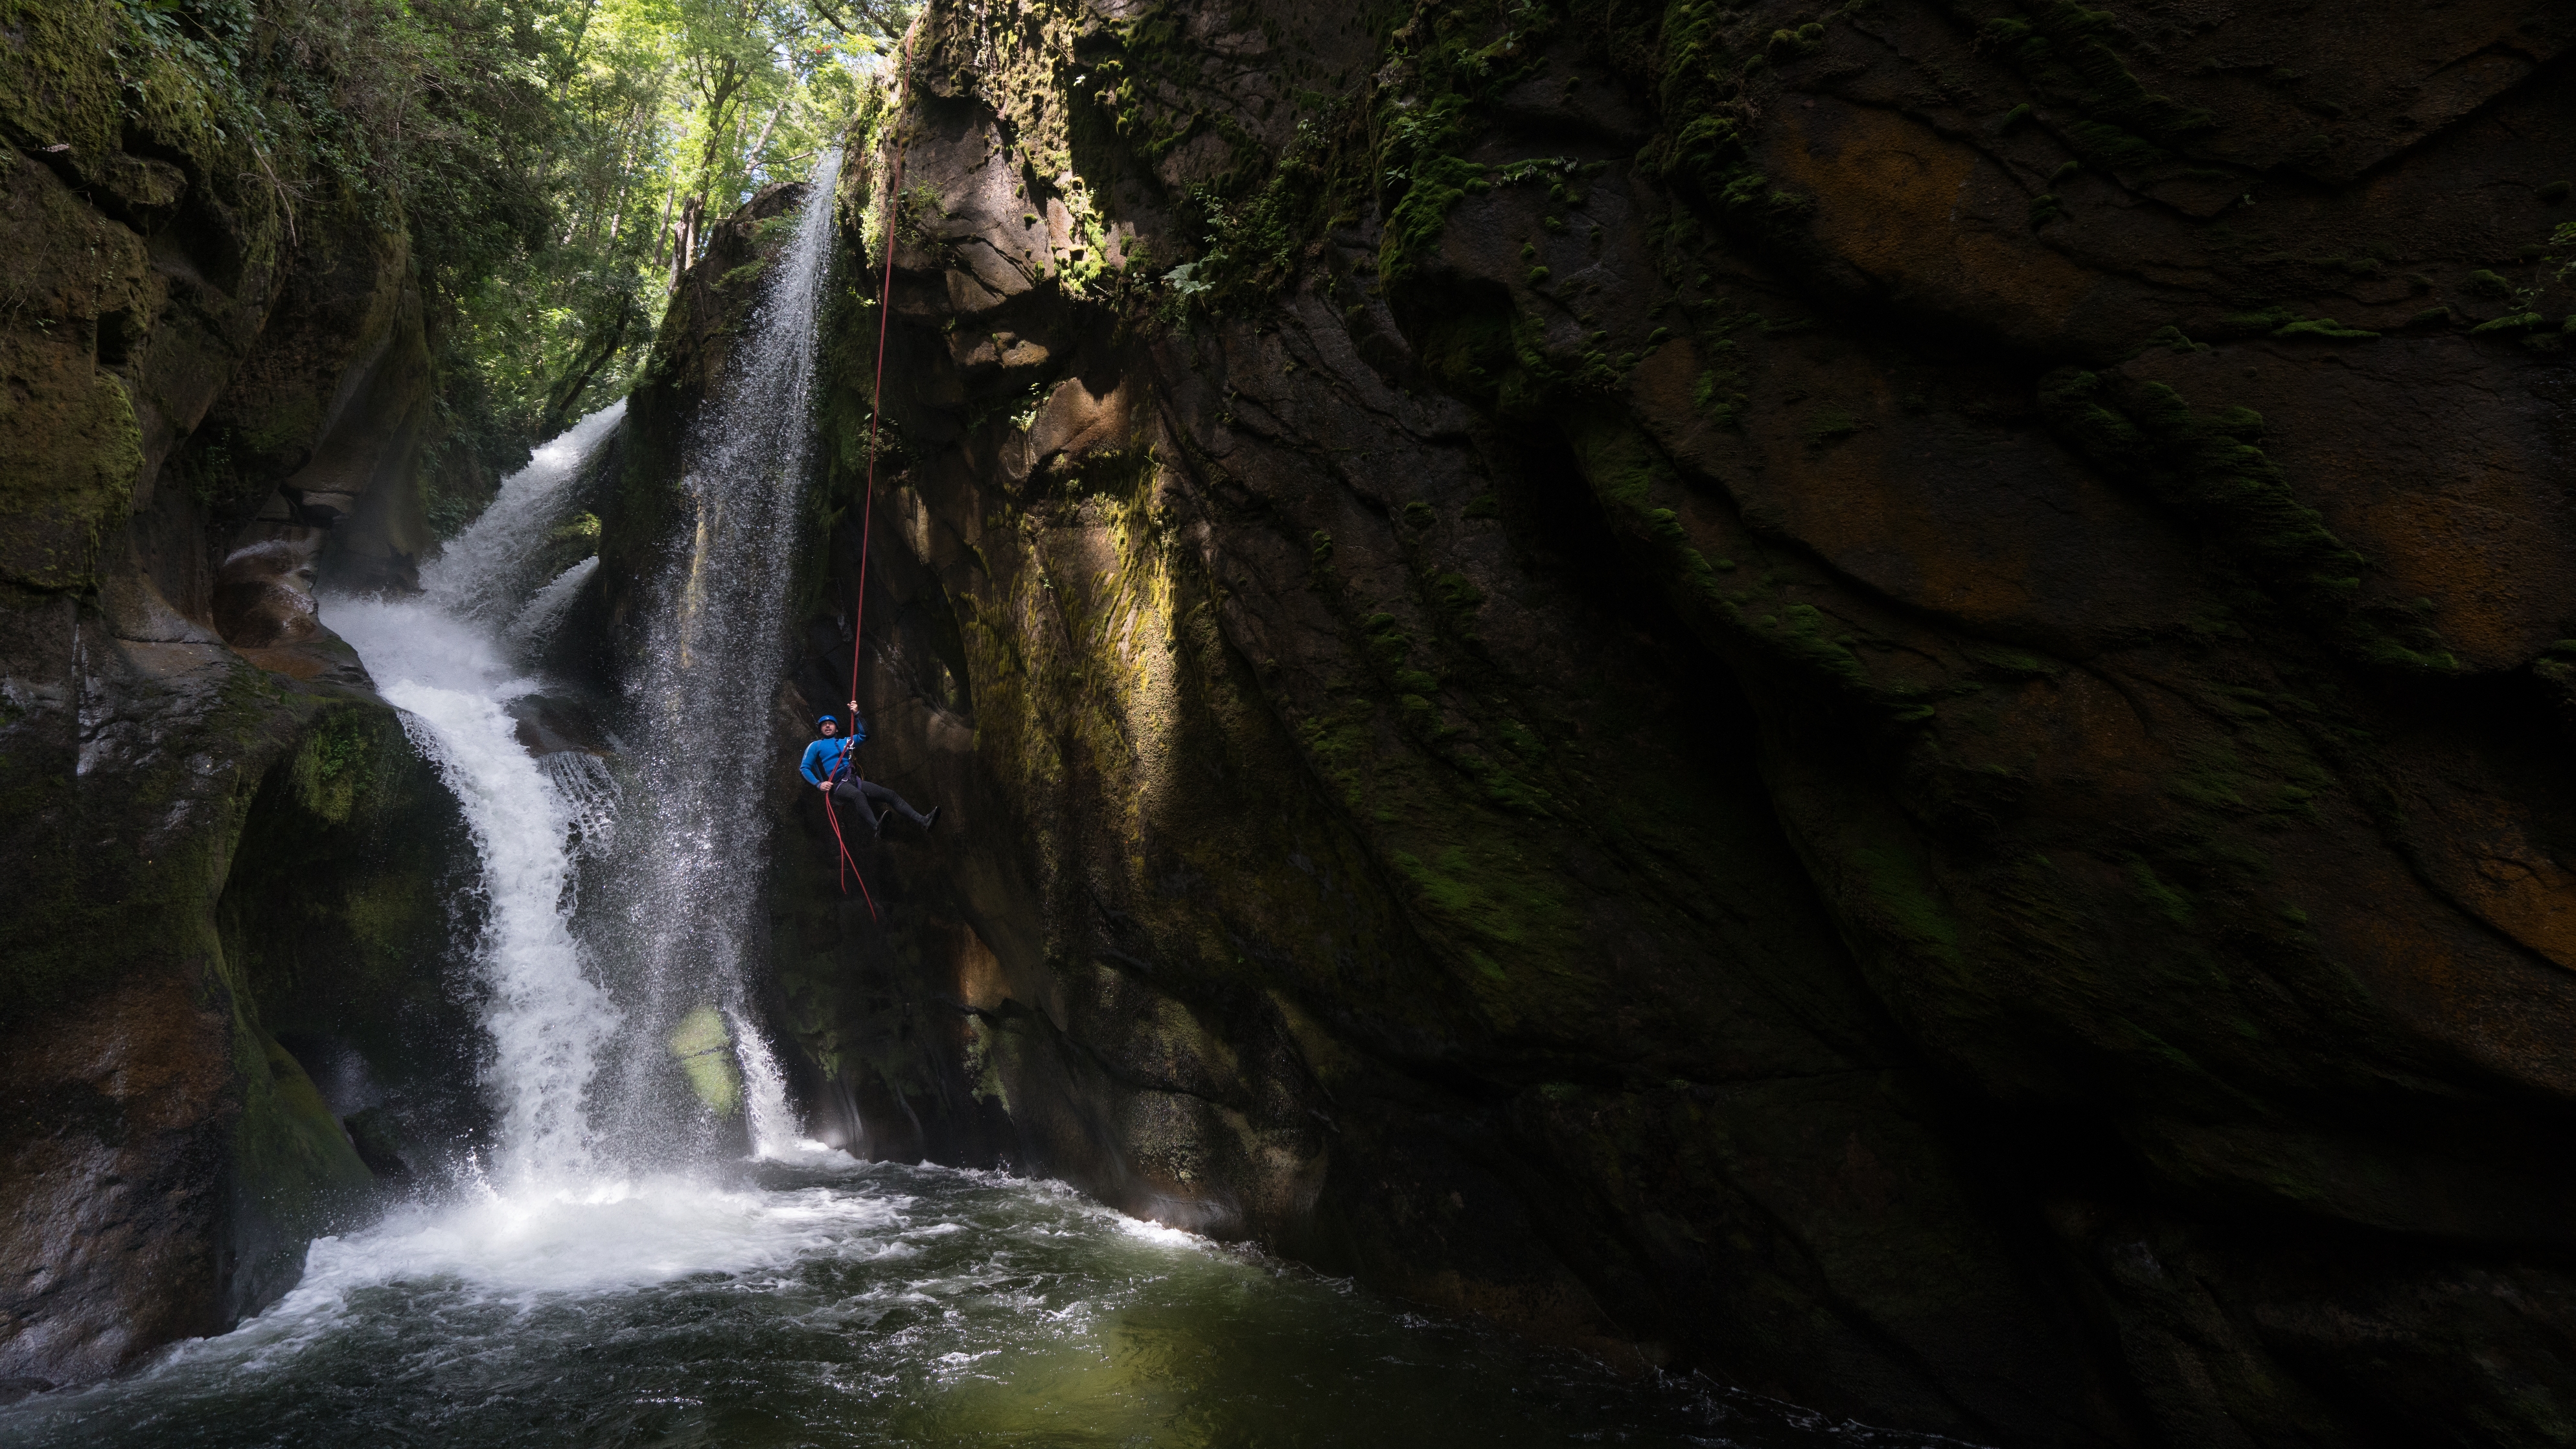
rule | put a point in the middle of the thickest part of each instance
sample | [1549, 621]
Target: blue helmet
[830, 719]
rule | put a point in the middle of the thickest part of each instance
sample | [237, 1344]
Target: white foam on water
[604, 1236]
[597, 1239]
[1158, 1234]
[807, 1153]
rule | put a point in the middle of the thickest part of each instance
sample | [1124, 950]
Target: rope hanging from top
[876, 394]
[868, 508]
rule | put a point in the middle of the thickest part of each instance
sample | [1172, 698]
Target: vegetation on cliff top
[657, 113]
[549, 160]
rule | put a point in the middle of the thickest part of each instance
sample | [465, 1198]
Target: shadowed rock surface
[1872, 698]
[218, 838]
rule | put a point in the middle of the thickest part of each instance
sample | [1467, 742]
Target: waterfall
[483, 572]
[622, 1035]
[536, 623]
[702, 704]
[546, 1018]
[442, 659]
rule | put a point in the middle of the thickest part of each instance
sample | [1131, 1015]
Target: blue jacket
[830, 758]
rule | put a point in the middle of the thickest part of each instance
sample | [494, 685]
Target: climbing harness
[845, 769]
[868, 508]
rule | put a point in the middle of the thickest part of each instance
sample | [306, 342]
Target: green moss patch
[2211, 468]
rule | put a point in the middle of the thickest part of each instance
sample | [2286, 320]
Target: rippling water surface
[830, 1304]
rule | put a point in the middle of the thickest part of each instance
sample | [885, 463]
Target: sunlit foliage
[552, 163]
[661, 116]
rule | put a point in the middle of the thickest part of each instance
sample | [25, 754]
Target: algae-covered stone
[172, 1156]
[67, 424]
[180, 809]
[704, 1050]
[295, 1174]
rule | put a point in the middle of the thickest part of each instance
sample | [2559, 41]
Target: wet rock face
[203, 404]
[1871, 698]
[238, 849]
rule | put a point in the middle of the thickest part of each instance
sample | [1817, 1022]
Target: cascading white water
[715, 647]
[775, 1130]
[536, 623]
[547, 1021]
[440, 658]
[483, 573]
[649, 984]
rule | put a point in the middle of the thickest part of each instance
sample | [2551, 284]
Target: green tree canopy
[657, 115]
[551, 160]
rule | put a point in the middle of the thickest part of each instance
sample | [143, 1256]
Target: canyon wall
[218, 839]
[1870, 698]
[1874, 698]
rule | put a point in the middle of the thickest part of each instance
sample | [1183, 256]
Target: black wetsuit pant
[868, 795]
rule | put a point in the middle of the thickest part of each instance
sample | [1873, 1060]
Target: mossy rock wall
[1870, 697]
[214, 386]
[237, 860]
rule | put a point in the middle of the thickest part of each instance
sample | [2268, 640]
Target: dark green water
[856, 1306]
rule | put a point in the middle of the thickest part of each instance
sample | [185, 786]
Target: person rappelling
[830, 762]
[830, 765]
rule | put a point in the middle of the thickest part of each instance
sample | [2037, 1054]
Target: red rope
[868, 509]
[876, 398]
[849, 867]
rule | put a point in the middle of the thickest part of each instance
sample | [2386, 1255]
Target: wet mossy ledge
[1831, 695]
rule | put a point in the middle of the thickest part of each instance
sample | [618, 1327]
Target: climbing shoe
[930, 820]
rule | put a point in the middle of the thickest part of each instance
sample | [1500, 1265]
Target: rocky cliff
[1872, 697]
[219, 841]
